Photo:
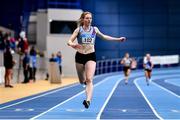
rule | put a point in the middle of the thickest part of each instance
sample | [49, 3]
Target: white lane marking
[166, 90]
[30, 109]
[161, 77]
[75, 110]
[169, 81]
[47, 93]
[176, 111]
[107, 100]
[124, 110]
[148, 102]
[69, 99]
[18, 109]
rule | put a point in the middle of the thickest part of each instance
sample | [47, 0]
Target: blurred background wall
[151, 26]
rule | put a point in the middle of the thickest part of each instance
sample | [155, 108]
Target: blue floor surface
[112, 99]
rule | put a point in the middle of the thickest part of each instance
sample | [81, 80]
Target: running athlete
[85, 57]
[126, 61]
[148, 66]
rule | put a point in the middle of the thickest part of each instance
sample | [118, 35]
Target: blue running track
[112, 99]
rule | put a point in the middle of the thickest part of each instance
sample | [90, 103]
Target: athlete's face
[127, 55]
[148, 57]
[87, 19]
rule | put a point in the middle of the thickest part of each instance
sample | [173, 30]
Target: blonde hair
[80, 21]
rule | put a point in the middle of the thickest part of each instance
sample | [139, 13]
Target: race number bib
[88, 39]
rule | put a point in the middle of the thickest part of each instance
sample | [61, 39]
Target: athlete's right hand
[76, 46]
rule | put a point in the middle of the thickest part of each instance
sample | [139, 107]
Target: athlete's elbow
[69, 43]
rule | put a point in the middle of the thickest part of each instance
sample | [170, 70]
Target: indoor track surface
[112, 99]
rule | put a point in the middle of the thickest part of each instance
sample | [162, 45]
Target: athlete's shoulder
[77, 30]
[96, 28]
[124, 58]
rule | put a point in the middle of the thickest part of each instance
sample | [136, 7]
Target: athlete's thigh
[146, 73]
[149, 73]
[128, 71]
[81, 72]
[90, 68]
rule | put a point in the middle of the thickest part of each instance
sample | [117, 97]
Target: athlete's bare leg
[90, 67]
[81, 72]
[127, 76]
[147, 77]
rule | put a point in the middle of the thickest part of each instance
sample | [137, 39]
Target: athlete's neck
[86, 28]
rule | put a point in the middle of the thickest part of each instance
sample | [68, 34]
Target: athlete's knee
[89, 80]
[81, 81]
[126, 74]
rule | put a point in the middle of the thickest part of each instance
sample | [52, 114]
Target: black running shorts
[83, 58]
[148, 70]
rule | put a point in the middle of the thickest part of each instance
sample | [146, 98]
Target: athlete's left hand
[122, 39]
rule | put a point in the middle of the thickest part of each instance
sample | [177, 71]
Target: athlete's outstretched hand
[122, 39]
